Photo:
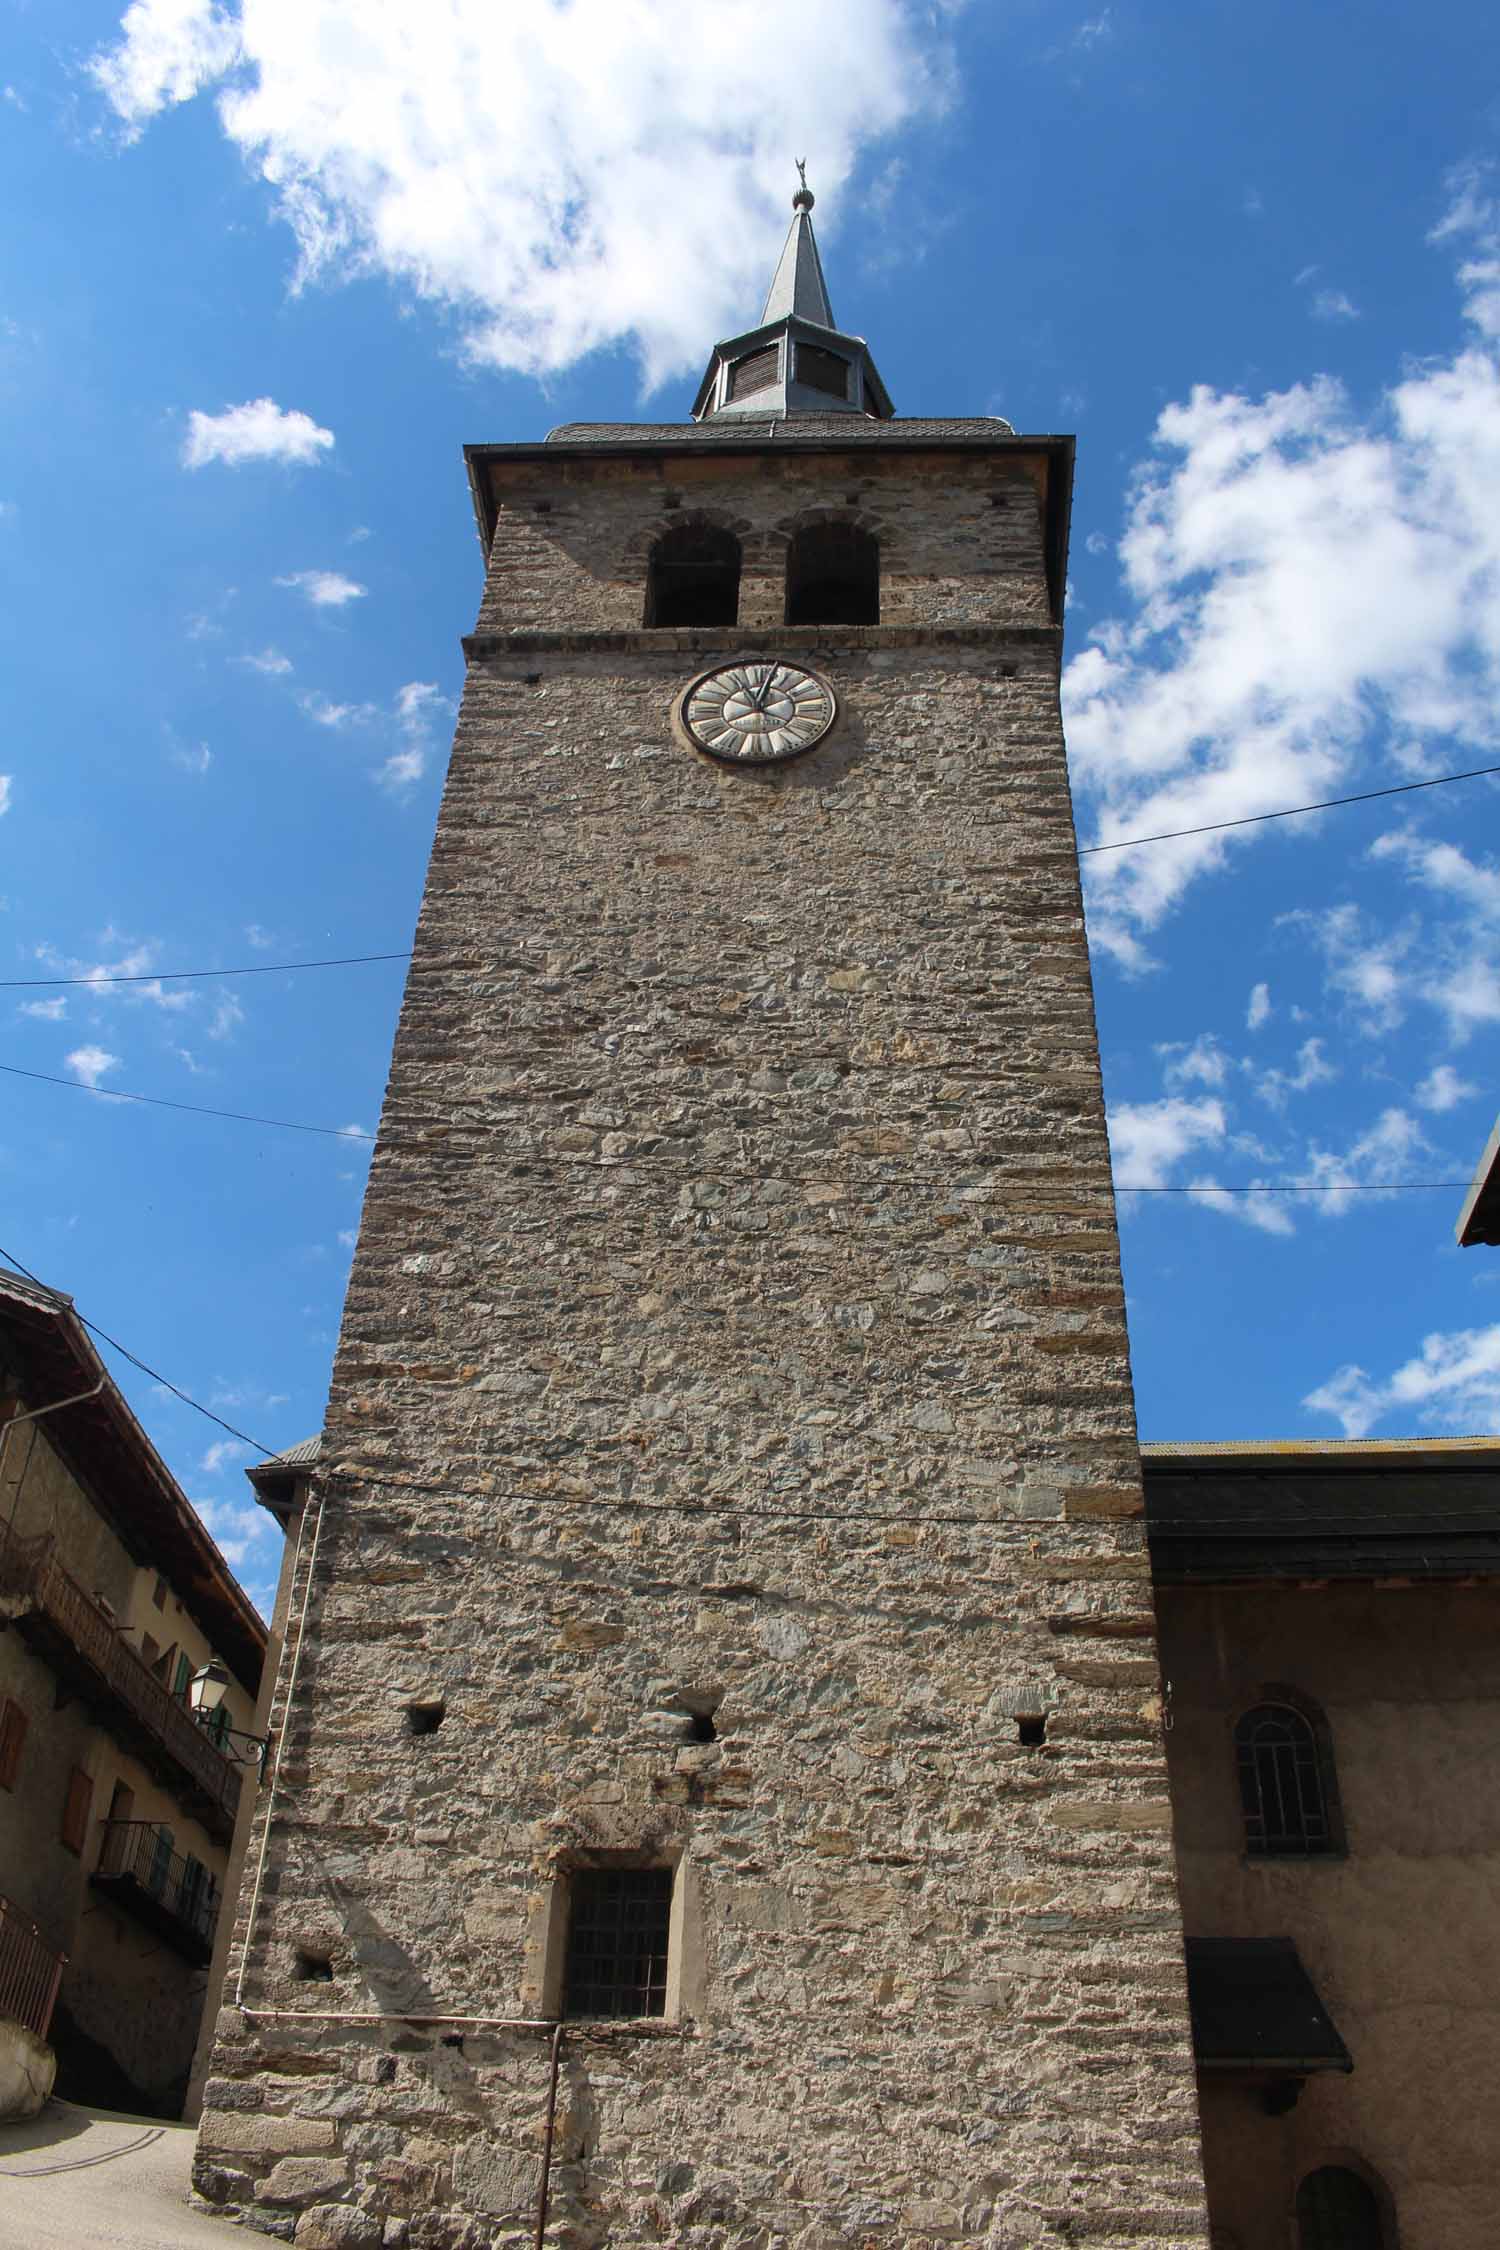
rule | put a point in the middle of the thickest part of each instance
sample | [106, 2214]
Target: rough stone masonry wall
[736, 1316]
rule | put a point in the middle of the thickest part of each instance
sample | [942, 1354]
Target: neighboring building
[1479, 1220]
[116, 1804]
[728, 1625]
[280, 1484]
[1329, 1619]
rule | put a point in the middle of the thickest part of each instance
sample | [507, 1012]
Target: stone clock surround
[736, 1316]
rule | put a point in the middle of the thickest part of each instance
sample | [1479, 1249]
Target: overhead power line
[1085, 851]
[193, 1109]
[155, 1374]
[1075, 1186]
[1287, 812]
[184, 976]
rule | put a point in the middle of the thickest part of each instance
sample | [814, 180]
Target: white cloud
[1453, 1382]
[1204, 1063]
[1264, 1211]
[50, 1011]
[1382, 1153]
[325, 713]
[564, 176]
[134, 966]
[325, 589]
[1239, 541]
[418, 705]
[1366, 968]
[348, 1236]
[1094, 30]
[1147, 1139]
[260, 430]
[1313, 1069]
[222, 1454]
[1332, 304]
[196, 760]
[1259, 1009]
[6, 782]
[1443, 1089]
[239, 1530]
[263, 940]
[271, 662]
[227, 1017]
[89, 1064]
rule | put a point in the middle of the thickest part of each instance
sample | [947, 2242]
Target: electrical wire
[1287, 812]
[125, 1353]
[182, 976]
[532, 1158]
[193, 1109]
[1085, 851]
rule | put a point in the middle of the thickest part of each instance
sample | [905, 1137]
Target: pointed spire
[795, 362]
[797, 285]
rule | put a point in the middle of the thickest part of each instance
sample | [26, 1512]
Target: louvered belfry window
[757, 371]
[1283, 1787]
[617, 1941]
[822, 371]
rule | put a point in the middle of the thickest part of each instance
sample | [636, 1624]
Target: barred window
[1337, 2210]
[1286, 1784]
[617, 1941]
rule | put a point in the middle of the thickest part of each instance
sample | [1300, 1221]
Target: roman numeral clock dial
[757, 714]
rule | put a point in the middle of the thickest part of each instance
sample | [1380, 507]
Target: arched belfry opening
[693, 577]
[833, 576]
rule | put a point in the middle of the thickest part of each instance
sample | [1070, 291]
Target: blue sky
[269, 265]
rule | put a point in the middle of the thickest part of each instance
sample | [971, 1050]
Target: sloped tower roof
[796, 361]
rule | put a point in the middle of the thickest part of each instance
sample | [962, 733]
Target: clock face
[756, 714]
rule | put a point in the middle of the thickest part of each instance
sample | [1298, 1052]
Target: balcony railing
[30, 1971]
[176, 1897]
[83, 1644]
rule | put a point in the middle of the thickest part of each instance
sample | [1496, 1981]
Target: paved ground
[88, 2179]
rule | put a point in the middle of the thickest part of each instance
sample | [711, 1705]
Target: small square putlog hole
[424, 1718]
[1031, 1729]
[312, 1967]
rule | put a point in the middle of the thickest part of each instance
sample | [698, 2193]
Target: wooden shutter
[75, 1819]
[12, 1735]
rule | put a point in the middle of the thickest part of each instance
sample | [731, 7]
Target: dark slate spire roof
[796, 362]
[797, 286]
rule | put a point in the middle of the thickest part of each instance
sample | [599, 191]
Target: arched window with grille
[1288, 1789]
[833, 576]
[693, 577]
[1337, 2209]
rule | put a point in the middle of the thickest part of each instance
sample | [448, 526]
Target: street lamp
[206, 1690]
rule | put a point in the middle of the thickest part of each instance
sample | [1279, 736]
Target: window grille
[1337, 2210]
[694, 577]
[617, 1941]
[757, 371]
[12, 1737]
[822, 371]
[833, 576]
[1283, 1785]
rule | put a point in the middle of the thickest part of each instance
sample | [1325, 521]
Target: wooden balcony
[82, 1644]
[175, 1897]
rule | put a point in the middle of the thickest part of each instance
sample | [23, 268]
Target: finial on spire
[803, 199]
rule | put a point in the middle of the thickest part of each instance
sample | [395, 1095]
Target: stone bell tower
[721, 1798]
